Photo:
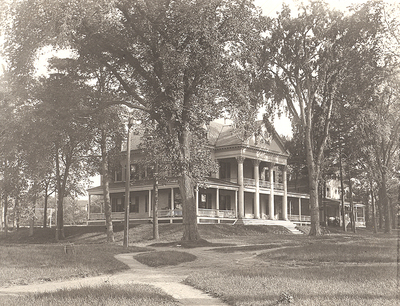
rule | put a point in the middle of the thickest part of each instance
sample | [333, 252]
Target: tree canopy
[180, 62]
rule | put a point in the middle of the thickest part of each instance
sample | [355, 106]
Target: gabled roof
[223, 135]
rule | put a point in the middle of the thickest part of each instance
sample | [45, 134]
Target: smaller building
[331, 206]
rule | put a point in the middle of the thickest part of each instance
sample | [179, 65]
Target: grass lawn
[25, 260]
[106, 295]
[336, 270]
[343, 285]
[246, 265]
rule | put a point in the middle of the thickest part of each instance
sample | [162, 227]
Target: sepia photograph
[199, 152]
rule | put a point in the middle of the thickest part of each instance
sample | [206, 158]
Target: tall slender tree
[309, 57]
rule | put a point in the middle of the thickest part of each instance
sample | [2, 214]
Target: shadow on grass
[142, 295]
[251, 248]
[189, 244]
[75, 234]
[164, 258]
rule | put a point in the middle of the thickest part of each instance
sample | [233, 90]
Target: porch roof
[118, 186]
[335, 202]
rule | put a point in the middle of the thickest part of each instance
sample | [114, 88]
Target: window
[205, 201]
[150, 172]
[118, 174]
[224, 170]
[117, 204]
[134, 204]
[134, 172]
[224, 202]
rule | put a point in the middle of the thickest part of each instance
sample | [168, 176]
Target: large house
[251, 184]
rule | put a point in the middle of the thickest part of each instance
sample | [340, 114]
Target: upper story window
[224, 170]
[134, 172]
[118, 174]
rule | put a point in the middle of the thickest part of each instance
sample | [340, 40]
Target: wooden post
[127, 185]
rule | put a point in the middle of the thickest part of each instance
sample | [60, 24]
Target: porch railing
[167, 213]
[216, 213]
[299, 218]
[114, 216]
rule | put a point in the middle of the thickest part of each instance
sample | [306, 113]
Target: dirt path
[169, 279]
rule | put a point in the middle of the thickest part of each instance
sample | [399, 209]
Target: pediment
[265, 139]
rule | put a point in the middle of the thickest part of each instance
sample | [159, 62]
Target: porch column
[284, 201]
[256, 164]
[271, 204]
[217, 199]
[150, 206]
[236, 203]
[197, 200]
[240, 160]
[299, 209]
[172, 199]
[217, 205]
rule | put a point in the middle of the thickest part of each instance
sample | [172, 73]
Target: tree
[381, 127]
[65, 135]
[182, 62]
[309, 58]
[108, 127]
[12, 180]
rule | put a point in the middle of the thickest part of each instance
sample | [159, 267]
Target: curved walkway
[168, 279]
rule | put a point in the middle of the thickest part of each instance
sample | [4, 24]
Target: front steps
[289, 225]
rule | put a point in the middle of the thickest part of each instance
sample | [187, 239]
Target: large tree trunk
[5, 216]
[343, 212]
[323, 196]
[156, 234]
[60, 193]
[32, 211]
[46, 198]
[385, 202]
[373, 203]
[313, 177]
[190, 229]
[352, 213]
[380, 208]
[393, 214]
[315, 226]
[189, 213]
[368, 222]
[106, 188]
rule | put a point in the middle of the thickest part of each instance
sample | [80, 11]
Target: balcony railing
[249, 182]
[216, 213]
